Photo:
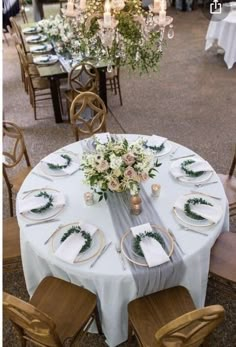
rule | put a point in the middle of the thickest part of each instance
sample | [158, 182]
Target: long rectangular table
[56, 72]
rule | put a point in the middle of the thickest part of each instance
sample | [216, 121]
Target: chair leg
[114, 81]
[130, 330]
[11, 203]
[119, 91]
[97, 320]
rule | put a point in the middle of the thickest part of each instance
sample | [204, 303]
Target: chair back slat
[35, 325]
[191, 328]
[88, 114]
[233, 165]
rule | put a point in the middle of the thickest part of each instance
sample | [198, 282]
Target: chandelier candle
[82, 4]
[107, 14]
[156, 7]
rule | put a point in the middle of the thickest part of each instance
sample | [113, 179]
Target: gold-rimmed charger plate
[48, 214]
[58, 173]
[188, 221]
[141, 260]
[98, 242]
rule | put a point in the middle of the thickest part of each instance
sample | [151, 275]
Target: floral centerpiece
[135, 41]
[118, 166]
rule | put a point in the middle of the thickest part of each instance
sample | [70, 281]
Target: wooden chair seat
[157, 310]
[223, 257]
[40, 83]
[57, 315]
[17, 180]
[11, 242]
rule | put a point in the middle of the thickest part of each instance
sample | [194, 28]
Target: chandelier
[119, 32]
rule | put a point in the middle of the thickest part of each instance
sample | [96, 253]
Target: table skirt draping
[113, 286]
[224, 32]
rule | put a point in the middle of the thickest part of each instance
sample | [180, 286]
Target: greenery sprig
[59, 167]
[47, 205]
[84, 234]
[194, 201]
[188, 172]
[136, 242]
[155, 148]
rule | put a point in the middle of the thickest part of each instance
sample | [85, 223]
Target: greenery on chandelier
[84, 234]
[194, 201]
[134, 42]
[48, 204]
[136, 242]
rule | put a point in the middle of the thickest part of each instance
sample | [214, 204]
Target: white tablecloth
[223, 31]
[113, 286]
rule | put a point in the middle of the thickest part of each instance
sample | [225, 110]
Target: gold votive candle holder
[88, 198]
[135, 204]
[156, 189]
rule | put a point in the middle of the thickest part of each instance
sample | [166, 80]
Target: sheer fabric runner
[148, 280]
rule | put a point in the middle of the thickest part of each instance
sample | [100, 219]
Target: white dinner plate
[98, 242]
[39, 49]
[58, 173]
[48, 59]
[204, 177]
[186, 221]
[48, 214]
[36, 38]
[31, 30]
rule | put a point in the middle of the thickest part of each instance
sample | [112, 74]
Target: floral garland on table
[155, 148]
[136, 242]
[132, 45]
[47, 205]
[188, 172]
[59, 167]
[118, 166]
[84, 234]
[194, 201]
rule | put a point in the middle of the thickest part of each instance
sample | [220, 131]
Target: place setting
[31, 30]
[159, 146]
[41, 205]
[191, 170]
[147, 245]
[48, 59]
[198, 212]
[39, 49]
[77, 242]
[36, 38]
[59, 164]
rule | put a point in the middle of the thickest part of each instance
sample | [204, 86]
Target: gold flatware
[43, 176]
[175, 240]
[42, 222]
[199, 185]
[210, 196]
[183, 156]
[101, 253]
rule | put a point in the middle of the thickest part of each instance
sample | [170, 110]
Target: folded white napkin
[56, 159]
[152, 249]
[211, 213]
[200, 165]
[70, 248]
[103, 138]
[156, 141]
[32, 202]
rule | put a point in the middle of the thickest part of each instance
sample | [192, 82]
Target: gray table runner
[148, 280]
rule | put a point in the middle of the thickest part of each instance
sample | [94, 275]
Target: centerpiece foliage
[118, 166]
[134, 42]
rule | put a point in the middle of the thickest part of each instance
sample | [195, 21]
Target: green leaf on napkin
[84, 234]
[47, 205]
[136, 242]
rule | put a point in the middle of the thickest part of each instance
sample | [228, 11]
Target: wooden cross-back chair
[38, 87]
[88, 115]
[16, 30]
[169, 318]
[229, 183]
[11, 245]
[57, 314]
[14, 150]
[84, 77]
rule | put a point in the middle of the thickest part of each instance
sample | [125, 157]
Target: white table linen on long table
[224, 32]
[113, 286]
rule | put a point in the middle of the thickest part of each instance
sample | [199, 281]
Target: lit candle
[135, 205]
[162, 17]
[162, 4]
[156, 189]
[70, 6]
[82, 4]
[107, 14]
[88, 198]
[156, 6]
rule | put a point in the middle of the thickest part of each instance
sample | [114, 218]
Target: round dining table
[222, 29]
[115, 286]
